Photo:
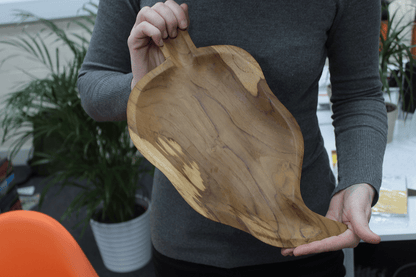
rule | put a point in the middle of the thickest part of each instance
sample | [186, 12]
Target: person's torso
[287, 39]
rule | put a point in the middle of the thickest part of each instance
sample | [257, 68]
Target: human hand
[351, 206]
[152, 26]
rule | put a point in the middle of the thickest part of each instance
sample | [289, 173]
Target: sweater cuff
[358, 165]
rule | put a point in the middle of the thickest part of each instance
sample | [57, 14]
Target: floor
[56, 204]
[370, 260]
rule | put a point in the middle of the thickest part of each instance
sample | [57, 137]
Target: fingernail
[184, 24]
[161, 42]
[165, 34]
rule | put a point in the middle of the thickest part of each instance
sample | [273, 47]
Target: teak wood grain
[208, 120]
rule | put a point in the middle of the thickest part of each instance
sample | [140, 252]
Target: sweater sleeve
[104, 80]
[359, 112]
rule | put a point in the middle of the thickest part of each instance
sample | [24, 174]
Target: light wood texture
[208, 120]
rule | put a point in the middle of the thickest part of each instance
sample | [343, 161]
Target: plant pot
[392, 114]
[125, 246]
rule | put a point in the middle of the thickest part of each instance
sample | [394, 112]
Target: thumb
[359, 222]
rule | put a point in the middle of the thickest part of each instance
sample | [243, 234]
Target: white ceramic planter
[126, 246]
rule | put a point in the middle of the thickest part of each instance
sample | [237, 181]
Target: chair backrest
[34, 244]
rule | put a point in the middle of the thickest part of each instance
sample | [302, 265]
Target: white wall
[405, 9]
[11, 75]
[49, 9]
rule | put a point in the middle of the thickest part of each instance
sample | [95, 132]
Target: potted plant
[98, 157]
[393, 57]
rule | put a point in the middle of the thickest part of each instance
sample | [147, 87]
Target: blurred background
[370, 260]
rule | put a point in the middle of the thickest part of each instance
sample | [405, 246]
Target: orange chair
[34, 244]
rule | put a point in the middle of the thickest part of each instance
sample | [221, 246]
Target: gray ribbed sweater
[290, 40]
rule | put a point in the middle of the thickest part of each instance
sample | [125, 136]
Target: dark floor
[370, 260]
[55, 206]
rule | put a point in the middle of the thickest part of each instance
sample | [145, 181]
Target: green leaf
[100, 153]
[57, 60]
[44, 192]
[49, 60]
[38, 52]
[7, 58]
[21, 44]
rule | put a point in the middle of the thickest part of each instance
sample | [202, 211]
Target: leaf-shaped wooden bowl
[208, 120]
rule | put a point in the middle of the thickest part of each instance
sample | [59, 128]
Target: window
[49, 9]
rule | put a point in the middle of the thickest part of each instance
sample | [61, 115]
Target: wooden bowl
[208, 120]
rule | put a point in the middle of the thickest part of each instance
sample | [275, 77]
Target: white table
[399, 159]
